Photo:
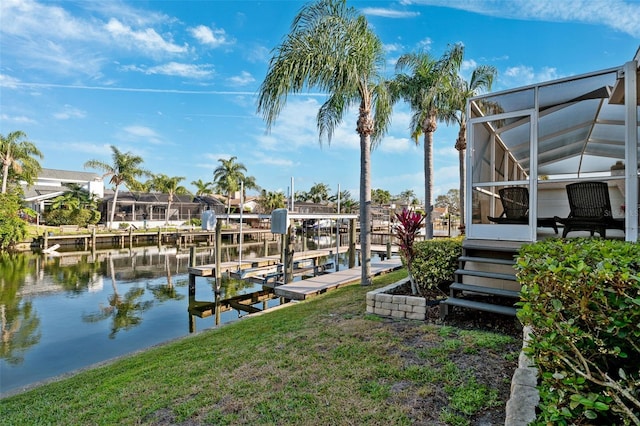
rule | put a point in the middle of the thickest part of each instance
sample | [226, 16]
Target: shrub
[12, 229]
[80, 217]
[435, 262]
[582, 298]
[195, 221]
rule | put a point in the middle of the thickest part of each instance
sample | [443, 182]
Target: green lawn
[321, 362]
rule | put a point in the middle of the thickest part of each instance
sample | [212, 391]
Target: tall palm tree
[202, 187]
[319, 192]
[426, 92]
[270, 201]
[407, 196]
[481, 80]
[227, 177]
[249, 182]
[20, 156]
[169, 185]
[331, 47]
[125, 169]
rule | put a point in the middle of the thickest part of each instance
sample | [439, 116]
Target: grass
[324, 361]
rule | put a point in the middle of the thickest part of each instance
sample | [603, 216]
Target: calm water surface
[62, 313]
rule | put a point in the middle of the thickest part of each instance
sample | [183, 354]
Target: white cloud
[388, 13]
[394, 145]
[17, 119]
[425, 44]
[176, 69]
[243, 79]
[212, 37]
[27, 17]
[271, 161]
[69, 112]
[8, 81]
[258, 54]
[525, 75]
[142, 40]
[619, 15]
[136, 133]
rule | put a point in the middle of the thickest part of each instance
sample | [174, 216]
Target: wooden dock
[301, 290]
[259, 262]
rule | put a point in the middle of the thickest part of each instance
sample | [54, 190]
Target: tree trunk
[365, 208]
[429, 128]
[5, 168]
[5, 176]
[113, 207]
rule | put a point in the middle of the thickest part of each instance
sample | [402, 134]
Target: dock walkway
[259, 262]
[301, 290]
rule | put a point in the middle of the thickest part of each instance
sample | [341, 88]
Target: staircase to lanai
[485, 279]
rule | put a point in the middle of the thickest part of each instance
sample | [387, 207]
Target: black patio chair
[590, 209]
[515, 208]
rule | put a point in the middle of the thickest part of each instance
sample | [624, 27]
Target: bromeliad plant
[409, 225]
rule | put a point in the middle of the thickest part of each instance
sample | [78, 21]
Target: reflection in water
[59, 313]
[19, 322]
[124, 311]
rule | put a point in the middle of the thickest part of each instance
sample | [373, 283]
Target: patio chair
[515, 208]
[590, 209]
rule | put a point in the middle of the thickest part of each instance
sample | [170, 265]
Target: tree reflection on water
[19, 322]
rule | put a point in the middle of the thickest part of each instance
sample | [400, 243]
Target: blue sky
[175, 81]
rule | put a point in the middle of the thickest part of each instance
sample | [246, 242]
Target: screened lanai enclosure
[545, 137]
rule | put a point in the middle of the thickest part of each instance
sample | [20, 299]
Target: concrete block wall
[379, 302]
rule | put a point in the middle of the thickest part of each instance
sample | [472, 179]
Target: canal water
[69, 311]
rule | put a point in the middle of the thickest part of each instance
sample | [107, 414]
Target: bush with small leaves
[582, 298]
[435, 261]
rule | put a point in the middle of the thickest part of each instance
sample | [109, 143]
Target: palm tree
[125, 169]
[270, 201]
[169, 185]
[19, 156]
[227, 177]
[407, 196]
[319, 192]
[249, 182]
[425, 90]
[202, 188]
[481, 80]
[331, 47]
[381, 196]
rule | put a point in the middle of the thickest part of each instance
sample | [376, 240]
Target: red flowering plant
[409, 224]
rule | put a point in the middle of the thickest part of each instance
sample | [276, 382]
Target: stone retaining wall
[379, 302]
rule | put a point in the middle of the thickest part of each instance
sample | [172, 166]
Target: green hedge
[582, 298]
[435, 262]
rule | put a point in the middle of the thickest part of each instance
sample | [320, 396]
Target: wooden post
[192, 256]
[389, 249]
[304, 240]
[352, 243]
[218, 252]
[265, 246]
[288, 272]
[46, 240]
[93, 239]
[130, 237]
[159, 238]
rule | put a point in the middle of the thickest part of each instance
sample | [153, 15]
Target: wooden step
[497, 261]
[485, 290]
[484, 274]
[479, 306]
[490, 245]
